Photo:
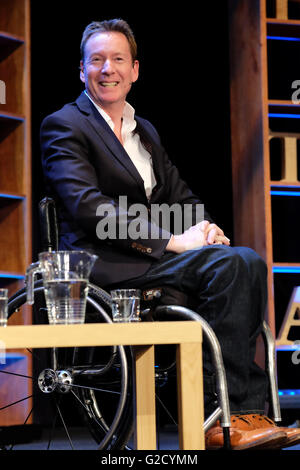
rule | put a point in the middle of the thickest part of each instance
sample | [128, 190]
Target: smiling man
[97, 151]
[108, 69]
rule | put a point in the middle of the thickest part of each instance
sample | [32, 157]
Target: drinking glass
[125, 305]
[65, 277]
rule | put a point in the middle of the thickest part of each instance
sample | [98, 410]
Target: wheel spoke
[15, 402]
[98, 419]
[166, 409]
[14, 373]
[52, 428]
[94, 388]
[101, 425]
[28, 416]
[64, 425]
[34, 354]
[80, 401]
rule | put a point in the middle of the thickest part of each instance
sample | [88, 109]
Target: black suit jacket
[85, 165]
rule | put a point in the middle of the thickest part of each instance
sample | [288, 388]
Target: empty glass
[65, 278]
[3, 306]
[125, 305]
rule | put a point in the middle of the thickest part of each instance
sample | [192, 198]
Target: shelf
[8, 123]
[283, 189]
[11, 275]
[287, 22]
[6, 37]
[282, 103]
[8, 43]
[12, 73]
[283, 109]
[6, 116]
[12, 236]
[286, 268]
[283, 29]
[285, 185]
[9, 195]
[15, 17]
[12, 148]
[284, 134]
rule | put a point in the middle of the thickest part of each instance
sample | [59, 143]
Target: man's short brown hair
[117, 25]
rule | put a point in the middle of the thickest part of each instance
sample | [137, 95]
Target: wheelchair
[97, 381]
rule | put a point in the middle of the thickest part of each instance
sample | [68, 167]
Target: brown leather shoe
[243, 435]
[262, 421]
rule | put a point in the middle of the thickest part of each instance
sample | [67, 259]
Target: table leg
[145, 429]
[190, 396]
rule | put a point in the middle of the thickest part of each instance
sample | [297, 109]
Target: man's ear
[135, 71]
[82, 77]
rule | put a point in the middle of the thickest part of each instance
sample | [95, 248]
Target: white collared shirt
[140, 157]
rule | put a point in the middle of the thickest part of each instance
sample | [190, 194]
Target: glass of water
[125, 305]
[65, 278]
[3, 306]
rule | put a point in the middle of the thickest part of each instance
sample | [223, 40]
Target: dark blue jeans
[229, 284]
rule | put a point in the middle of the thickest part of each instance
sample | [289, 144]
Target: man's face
[108, 70]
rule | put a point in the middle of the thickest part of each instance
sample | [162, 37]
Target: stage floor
[168, 440]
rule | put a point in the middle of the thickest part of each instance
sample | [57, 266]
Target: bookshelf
[15, 187]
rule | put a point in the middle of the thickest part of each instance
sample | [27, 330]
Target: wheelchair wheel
[75, 386]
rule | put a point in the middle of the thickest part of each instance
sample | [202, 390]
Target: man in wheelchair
[109, 173]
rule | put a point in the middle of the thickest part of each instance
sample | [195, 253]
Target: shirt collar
[129, 122]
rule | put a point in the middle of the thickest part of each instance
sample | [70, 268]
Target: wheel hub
[50, 380]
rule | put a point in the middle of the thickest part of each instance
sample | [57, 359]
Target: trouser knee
[254, 262]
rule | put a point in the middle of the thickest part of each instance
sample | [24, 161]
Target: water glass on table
[65, 279]
[125, 305]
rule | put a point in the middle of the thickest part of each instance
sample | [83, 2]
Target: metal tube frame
[223, 411]
[269, 342]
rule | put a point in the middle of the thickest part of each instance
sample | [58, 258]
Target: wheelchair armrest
[48, 222]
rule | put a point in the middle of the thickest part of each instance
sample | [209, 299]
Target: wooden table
[142, 336]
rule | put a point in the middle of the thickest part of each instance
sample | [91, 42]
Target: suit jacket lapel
[108, 136]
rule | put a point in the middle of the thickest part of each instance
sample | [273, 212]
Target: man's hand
[197, 236]
[215, 235]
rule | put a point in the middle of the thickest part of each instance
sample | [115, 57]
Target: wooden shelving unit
[15, 186]
[15, 138]
[257, 119]
[281, 28]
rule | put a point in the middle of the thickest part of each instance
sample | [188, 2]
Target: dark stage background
[183, 88]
